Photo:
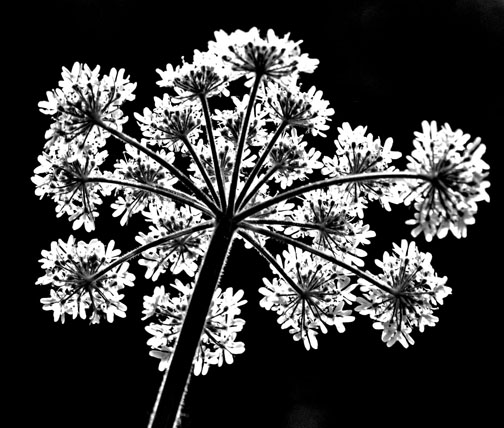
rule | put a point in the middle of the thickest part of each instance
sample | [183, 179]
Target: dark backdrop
[385, 64]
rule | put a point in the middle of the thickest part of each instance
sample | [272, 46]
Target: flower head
[203, 77]
[358, 153]
[308, 296]
[305, 110]
[447, 202]
[291, 161]
[82, 284]
[66, 179]
[169, 123]
[272, 57]
[218, 342]
[178, 254]
[81, 99]
[415, 293]
[330, 218]
[139, 168]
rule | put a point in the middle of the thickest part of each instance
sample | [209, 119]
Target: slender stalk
[201, 168]
[139, 250]
[173, 170]
[318, 253]
[213, 147]
[324, 183]
[270, 259]
[259, 165]
[256, 188]
[241, 142]
[166, 414]
[161, 191]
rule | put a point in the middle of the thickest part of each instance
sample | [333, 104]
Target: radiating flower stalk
[205, 179]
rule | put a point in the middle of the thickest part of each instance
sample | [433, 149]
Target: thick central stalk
[182, 359]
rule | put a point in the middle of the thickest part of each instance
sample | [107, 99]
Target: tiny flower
[415, 293]
[218, 342]
[311, 299]
[448, 200]
[83, 98]
[81, 282]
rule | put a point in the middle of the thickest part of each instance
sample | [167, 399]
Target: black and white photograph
[253, 214]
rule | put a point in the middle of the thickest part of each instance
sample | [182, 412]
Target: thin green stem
[324, 183]
[256, 188]
[241, 142]
[161, 241]
[161, 191]
[213, 148]
[321, 254]
[259, 165]
[270, 259]
[173, 170]
[201, 168]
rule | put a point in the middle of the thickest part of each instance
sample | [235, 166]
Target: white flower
[81, 284]
[291, 160]
[139, 168]
[205, 76]
[180, 254]
[415, 293]
[311, 299]
[66, 180]
[81, 99]
[272, 57]
[168, 123]
[331, 219]
[358, 153]
[299, 109]
[448, 201]
[218, 342]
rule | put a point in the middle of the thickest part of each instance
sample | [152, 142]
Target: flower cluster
[358, 153]
[414, 294]
[447, 202]
[330, 219]
[81, 99]
[84, 280]
[139, 168]
[176, 249]
[169, 122]
[248, 54]
[207, 170]
[218, 342]
[309, 297]
[68, 181]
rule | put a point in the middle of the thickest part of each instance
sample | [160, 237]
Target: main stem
[166, 413]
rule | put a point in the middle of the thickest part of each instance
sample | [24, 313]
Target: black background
[385, 64]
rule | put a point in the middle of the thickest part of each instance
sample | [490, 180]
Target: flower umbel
[207, 171]
[310, 297]
[81, 284]
[448, 201]
[416, 291]
[81, 98]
